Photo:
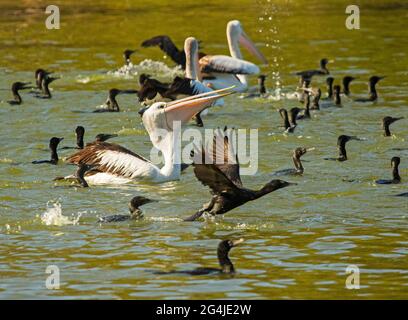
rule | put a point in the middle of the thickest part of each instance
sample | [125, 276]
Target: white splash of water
[151, 67]
[53, 216]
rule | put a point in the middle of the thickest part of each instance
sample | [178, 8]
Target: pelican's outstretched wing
[113, 159]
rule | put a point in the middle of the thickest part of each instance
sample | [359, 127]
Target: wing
[221, 156]
[211, 176]
[112, 158]
[227, 64]
[168, 47]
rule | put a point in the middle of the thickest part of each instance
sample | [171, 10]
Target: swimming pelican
[224, 71]
[114, 164]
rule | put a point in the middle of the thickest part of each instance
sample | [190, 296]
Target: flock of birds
[208, 79]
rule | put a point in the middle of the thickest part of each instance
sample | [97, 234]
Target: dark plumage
[79, 132]
[329, 82]
[101, 137]
[298, 170]
[111, 102]
[395, 162]
[309, 74]
[373, 96]
[341, 145]
[80, 173]
[135, 212]
[46, 93]
[15, 88]
[126, 55]
[168, 47]
[346, 84]
[218, 168]
[54, 155]
[40, 74]
[386, 122]
[226, 265]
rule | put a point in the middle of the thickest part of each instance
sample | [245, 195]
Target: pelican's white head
[160, 117]
[235, 35]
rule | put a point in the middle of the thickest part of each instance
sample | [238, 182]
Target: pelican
[114, 164]
[224, 71]
[153, 91]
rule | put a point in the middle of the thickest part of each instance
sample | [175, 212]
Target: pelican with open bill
[114, 164]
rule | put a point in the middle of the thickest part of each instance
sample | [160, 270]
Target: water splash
[53, 216]
[154, 68]
[268, 27]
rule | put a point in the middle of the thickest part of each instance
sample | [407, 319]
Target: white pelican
[224, 71]
[114, 164]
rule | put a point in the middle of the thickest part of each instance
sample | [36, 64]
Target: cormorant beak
[184, 109]
[292, 184]
[60, 139]
[247, 43]
[26, 85]
[127, 91]
[310, 149]
[237, 242]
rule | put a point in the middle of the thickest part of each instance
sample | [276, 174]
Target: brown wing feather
[211, 176]
[95, 152]
[220, 155]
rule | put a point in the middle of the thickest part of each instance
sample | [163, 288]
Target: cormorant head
[375, 79]
[114, 92]
[261, 78]
[341, 140]
[138, 201]
[143, 77]
[20, 86]
[276, 184]
[389, 120]
[299, 152]
[127, 53]
[80, 131]
[227, 245]
[395, 161]
[347, 80]
[294, 112]
[323, 63]
[54, 141]
[329, 80]
[101, 137]
[337, 89]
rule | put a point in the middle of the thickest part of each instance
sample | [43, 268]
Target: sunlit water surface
[299, 240]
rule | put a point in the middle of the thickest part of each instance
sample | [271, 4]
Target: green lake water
[299, 240]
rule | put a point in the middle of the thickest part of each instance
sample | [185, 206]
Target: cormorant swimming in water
[218, 168]
[373, 96]
[45, 90]
[306, 113]
[135, 212]
[329, 82]
[15, 88]
[286, 124]
[298, 170]
[316, 99]
[40, 74]
[387, 121]
[308, 74]
[126, 54]
[337, 99]
[346, 84]
[261, 88]
[395, 161]
[111, 103]
[79, 132]
[341, 145]
[53, 147]
[225, 263]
